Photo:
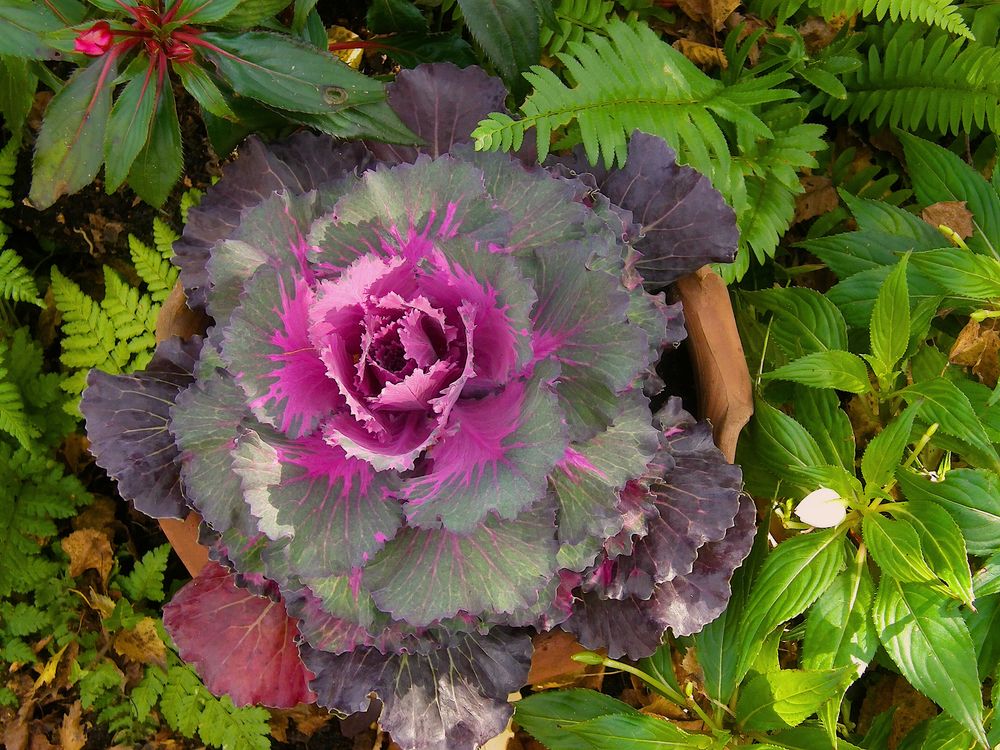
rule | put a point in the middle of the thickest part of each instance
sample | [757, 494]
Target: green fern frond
[153, 263]
[913, 79]
[38, 395]
[633, 80]
[941, 13]
[190, 199]
[13, 419]
[16, 281]
[8, 163]
[575, 18]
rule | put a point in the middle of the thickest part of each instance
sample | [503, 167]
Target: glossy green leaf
[289, 74]
[819, 412]
[986, 580]
[205, 11]
[792, 577]
[895, 546]
[787, 697]
[69, 150]
[971, 496]
[808, 737]
[855, 296]
[939, 175]
[548, 715]
[929, 641]
[158, 166]
[960, 273]
[890, 327]
[635, 730]
[507, 30]
[17, 91]
[984, 624]
[128, 128]
[842, 371]
[944, 733]
[661, 666]
[885, 451]
[25, 23]
[250, 13]
[944, 403]
[387, 16]
[804, 320]
[941, 543]
[302, 12]
[205, 91]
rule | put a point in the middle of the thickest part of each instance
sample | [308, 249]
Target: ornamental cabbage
[419, 428]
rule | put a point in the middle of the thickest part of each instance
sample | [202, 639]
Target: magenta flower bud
[94, 41]
[179, 51]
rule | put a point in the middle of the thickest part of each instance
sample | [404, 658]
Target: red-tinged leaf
[241, 644]
[204, 11]
[128, 127]
[201, 86]
[158, 166]
[69, 149]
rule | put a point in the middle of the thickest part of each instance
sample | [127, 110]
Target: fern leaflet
[941, 13]
[633, 80]
[575, 18]
[16, 281]
[153, 263]
[913, 79]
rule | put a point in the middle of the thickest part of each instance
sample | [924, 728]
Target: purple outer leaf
[454, 698]
[695, 494]
[302, 163]
[685, 223]
[633, 627]
[442, 104]
[241, 644]
[127, 424]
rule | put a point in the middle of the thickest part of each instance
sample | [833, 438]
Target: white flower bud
[822, 508]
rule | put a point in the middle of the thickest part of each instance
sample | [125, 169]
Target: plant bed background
[83, 577]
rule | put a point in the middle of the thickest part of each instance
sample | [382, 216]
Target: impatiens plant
[235, 74]
[419, 429]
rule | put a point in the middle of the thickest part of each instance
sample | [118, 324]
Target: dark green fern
[914, 78]
[575, 17]
[16, 281]
[941, 13]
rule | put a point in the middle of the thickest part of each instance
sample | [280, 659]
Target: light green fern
[153, 263]
[576, 17]
[16, 281]
[633, 80]
[915, 78]
[941, 13]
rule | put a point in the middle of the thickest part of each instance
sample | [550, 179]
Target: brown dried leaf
[142, 643]
[702, 54]
[818, 33]
[551, 665]
[978, 347]
[713, 12]
[306, 719]
[89, 548]
[177, 319]
[71, 734]
[99, 515]
[725, 395]
[953, 214]
[820, 197]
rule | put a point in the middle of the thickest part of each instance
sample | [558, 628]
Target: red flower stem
[195, 41]
[169, 16]
[334, 46]
[128, 9]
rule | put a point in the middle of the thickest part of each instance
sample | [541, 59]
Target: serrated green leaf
[971, 496]
[253, 12]
[895, 546]
[787, 697]
[783, 446]
[983, 625]
[792, 577]
[839, 370]
[804, 320]
[69, 150]
[205, 11]
[26, 23]
[158, 166]
[819, 412]
[890, 327]
[929, 641]
[507, 30]
[387, 16]
[939, 175]
[205, 91]
[885, 451]
[959, 273]
[17, 91]
[942, 402]
[941, 543]
[146, 579]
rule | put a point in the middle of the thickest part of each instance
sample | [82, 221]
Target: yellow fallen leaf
[86, 549]
[702, 54]
[141, 643]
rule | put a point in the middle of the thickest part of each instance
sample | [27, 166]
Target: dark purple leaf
[241, 644]
[127, 424]
[453, 698]
[442, 104]
[302, 163]
[685, 223]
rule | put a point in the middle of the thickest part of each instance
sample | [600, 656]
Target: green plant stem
[662, 688]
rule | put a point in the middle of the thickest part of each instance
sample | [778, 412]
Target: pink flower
[94, 41]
